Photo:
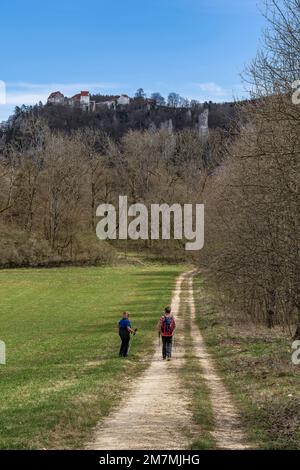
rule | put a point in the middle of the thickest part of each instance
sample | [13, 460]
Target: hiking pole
[130, 342]
[129, 347]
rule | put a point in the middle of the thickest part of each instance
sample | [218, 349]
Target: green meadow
[63, 372]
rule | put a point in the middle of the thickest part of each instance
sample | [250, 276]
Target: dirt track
[147, 415]
[227, 433]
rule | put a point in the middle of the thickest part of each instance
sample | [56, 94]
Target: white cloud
[18, 99]
[5, 112]
[212, 88]
[19, 93]
[213, 91]
[2, 92]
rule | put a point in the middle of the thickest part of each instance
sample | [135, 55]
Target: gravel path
[157, 406]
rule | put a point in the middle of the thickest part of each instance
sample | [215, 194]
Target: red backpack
[167, 325]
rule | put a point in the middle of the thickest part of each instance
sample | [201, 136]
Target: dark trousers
[167, 342]
[124, 345]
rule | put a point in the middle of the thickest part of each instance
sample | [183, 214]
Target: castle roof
[76, 97]
[79, 95]
[56, 94]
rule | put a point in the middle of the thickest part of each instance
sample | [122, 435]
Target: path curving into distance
[157, 405]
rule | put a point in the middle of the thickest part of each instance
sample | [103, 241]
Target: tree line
[116, 123]
[51, 183]
[252, 202]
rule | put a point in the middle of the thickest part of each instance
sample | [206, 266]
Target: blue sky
[194, 47]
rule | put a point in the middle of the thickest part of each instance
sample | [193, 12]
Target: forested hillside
[139, 115]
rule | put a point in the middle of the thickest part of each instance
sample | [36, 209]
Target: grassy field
[59, 326]
[256, 365]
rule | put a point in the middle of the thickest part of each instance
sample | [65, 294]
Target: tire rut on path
[227, 433]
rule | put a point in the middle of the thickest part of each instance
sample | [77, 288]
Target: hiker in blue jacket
[124, 332]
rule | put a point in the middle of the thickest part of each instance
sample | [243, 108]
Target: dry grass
[257, 367]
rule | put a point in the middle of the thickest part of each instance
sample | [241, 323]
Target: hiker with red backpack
[166, 329]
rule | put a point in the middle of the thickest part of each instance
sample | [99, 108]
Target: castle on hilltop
[193, 117]
[83, 101]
